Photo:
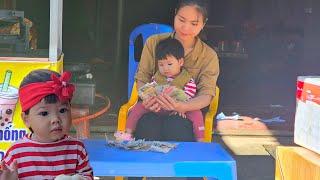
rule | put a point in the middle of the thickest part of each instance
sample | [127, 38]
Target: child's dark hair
[169, 47]
[201, 6]
[40, 75]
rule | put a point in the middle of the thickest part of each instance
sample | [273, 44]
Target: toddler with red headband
[47, 151]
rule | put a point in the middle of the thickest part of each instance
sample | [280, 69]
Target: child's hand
[68, 177]
[168, 90]
[9, 174]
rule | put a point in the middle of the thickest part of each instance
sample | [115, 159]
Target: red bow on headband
[33, 93]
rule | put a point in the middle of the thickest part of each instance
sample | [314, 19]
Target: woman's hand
[151, 104]
[9, 174]
[169, 104]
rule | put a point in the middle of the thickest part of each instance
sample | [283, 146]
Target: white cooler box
[307, 119]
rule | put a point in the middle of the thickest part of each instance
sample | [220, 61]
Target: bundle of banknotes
[154, 89]
[142, 145]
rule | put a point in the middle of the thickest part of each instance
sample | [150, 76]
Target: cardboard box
[296, 163]
[307, 119]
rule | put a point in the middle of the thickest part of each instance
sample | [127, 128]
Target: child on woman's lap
[48, 151]
[169, 55]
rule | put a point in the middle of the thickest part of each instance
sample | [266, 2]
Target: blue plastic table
[189, 159]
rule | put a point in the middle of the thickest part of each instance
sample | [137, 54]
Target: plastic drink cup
[8, 100]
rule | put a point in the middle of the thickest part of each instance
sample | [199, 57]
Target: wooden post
[55, 41]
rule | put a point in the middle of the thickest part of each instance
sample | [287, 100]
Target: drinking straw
[6, 81]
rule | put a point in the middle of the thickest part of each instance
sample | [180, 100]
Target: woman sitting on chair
[200, 61]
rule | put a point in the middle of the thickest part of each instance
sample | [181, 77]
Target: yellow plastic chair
[208, 120]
